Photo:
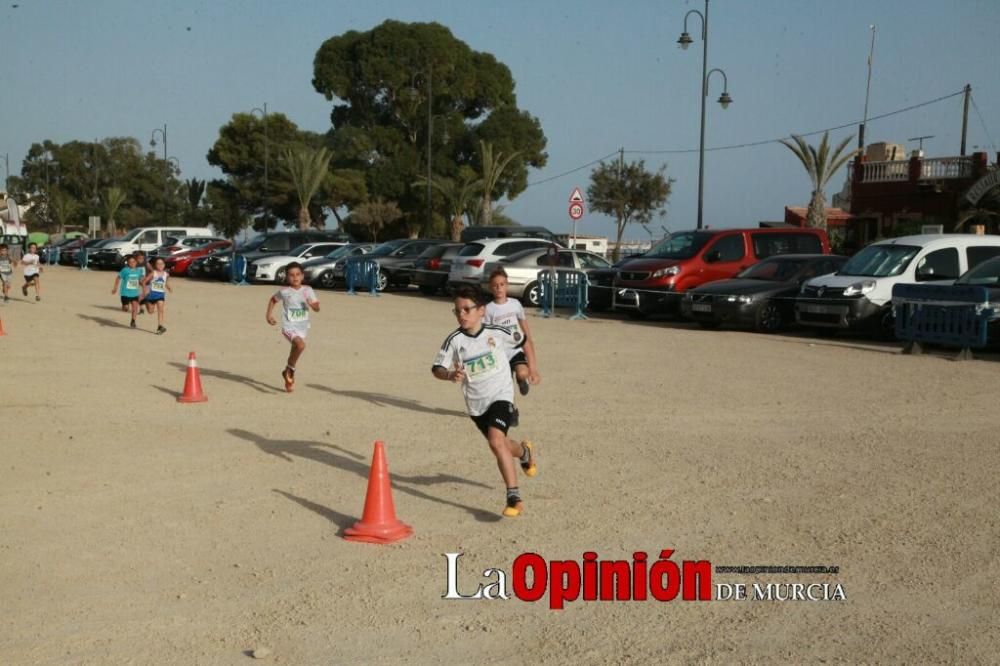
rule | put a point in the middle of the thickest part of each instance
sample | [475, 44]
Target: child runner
[507, 312]
[475, 356]
[32, 268]
[296, 301]
[129, 278]
[156, 288]
[142, 263]
[6, 270]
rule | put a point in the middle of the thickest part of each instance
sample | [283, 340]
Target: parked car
[271, 268]
[53, 252]
[205, 266]
[318, 272]
[656, 281]
[72, 256]
[467, 267]
[470, 234]
[987, 274]
[273, 243]
[174, 245]
[602, 281]
[146, 239]
[522, 270]
[430, 269]
[179, 263]
[859, 295]
[394, 259]
[762, 297]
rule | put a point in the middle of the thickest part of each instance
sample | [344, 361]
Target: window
[507, 249]
[770, 244]
[151, 236]
[729, 248]
[471, 250]
[881, 260]
[588, 260]
[939, 265]
[977, 255]
[277, 244]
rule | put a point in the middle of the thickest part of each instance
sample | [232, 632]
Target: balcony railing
[885, 172]
[934, 168]
[946, 167]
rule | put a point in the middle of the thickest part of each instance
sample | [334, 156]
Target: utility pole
[965, 117]
[430, 135]
[868, 89]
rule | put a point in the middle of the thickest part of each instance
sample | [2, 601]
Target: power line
[982, 122]
[579, 168]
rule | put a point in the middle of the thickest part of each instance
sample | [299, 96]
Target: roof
[924, 240]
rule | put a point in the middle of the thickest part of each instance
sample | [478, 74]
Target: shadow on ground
[255, 384]
[383, 400]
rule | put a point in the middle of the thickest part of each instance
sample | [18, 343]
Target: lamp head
[152, 142]
[725, 100]
[685, 40]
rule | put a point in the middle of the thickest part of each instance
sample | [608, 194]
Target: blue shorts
[153, 297]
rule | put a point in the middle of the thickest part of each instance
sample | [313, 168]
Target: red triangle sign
[577, 196]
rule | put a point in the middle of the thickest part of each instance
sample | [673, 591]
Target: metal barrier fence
[362, 273]
[238, 271]
[954, 316]
[83, 258]
[568, 290]
[53, 256]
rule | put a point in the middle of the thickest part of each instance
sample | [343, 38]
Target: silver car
[522, 270]
[318, 272]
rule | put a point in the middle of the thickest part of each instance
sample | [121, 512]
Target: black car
[104, 258]
[430, 269]
[74, 256]
[395, 260]
[986, 274]
[761, 297]
[602, 281]
[217, 265]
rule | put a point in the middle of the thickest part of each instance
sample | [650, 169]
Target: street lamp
[48, 188]
[166, 172]
[263, 113]
[724, 99]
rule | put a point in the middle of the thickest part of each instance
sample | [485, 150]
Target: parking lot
[133, 528]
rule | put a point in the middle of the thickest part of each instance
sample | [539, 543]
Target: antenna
[921, 140]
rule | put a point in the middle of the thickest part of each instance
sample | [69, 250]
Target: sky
[600, 76]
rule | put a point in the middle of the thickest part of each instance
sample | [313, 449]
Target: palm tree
[64, 207]
[493, 168]
[308, 168]
[986, 210]
[820, 165]
[113, 198]
[458, 195]
[194, 190]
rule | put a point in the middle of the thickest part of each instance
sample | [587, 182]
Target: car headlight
[745, 300]
[859, 288]
[666, 272]
[265, 266]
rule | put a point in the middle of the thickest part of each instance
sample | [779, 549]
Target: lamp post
[166, 174]
[724, 99]
[48, 188]
[6, 180]
[263, 113]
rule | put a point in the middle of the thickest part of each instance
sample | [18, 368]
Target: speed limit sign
[575, 211]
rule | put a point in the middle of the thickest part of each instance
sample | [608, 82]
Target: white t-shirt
[295, 307]
[30, 261]
[484, 358]
[509, 315]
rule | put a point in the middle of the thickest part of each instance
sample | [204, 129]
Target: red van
[652, 282]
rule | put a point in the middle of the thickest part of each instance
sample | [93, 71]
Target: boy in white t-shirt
[509, 313]
[6, 270]
[296, 301]
[32, 264]
[475, 356]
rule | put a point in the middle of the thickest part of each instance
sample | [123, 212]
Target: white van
[859, 295]
[150, 238]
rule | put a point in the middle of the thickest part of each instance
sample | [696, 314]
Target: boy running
[129, 278]
[509, 313]
[296, 301]
[32, 271]
[156, 288]
[475, 356]
[6, 271]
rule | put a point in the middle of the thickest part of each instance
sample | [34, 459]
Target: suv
[470, 234]
[653, 282]
[522, 270]
[859, 295]
[430, 269]
[394, 258]
[467, 267]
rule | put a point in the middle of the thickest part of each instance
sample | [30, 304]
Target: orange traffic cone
[192, 383]
[379, 523]
[2, 332]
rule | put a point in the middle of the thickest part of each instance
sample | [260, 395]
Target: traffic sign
[575, 211]
[576, 197]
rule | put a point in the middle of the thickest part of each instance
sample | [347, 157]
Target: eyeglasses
[466, 309]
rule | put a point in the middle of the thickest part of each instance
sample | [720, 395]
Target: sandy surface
[137, 530]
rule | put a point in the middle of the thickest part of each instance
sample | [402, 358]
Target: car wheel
[427, 290]
[887, 325]
[382, 281]
[769, 318]
[279, 276]
[326, 280]
[532, 295]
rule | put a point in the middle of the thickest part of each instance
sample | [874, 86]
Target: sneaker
[38, 298]
[530, 468]
[515, 418]
[132, 325]
[160, 330]
[6, 299]
[288, 374]
[523, 386]
[24, 290]
[514, 508]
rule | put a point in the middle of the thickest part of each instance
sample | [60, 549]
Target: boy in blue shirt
[130, 279]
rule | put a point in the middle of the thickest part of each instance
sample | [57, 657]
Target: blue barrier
[53, 256]
[84, 257]
[238, 270]
[362, 273]
[569, 290]
[953, 316]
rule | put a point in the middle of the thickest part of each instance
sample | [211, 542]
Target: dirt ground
[134, 529]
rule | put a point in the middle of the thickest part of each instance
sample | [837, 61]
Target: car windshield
[880, 261]
[341, 251]
[131, 235]
[385, 249]
[299, 250]
[679, 246]
[777, 270]
[986, 274]
[252, 244]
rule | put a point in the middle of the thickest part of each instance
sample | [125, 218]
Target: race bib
[159, 285]
[132, 284]
[481, 365]
[297, 314]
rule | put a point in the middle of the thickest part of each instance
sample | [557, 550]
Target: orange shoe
[288, 374]
[530, 468]
[514, 508]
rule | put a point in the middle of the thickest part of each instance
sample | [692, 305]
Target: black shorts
[28, 279]
[518, 359]
[129, 299]
[497, 416]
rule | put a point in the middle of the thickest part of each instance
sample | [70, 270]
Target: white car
[467, 266]
[522, 270]
[173, 245]
[271, 268]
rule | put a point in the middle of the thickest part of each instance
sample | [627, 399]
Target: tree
[308, 168]
[820, 165]
[194, 190]
[376, 215]
[113, 199]
[64, 207]
[223, 210]
[386, 82]
[492, 167]
[458, 193]
[629, 193]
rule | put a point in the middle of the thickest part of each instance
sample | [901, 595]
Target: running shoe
[514, 508]
[132, 325]
[24, 290]
[523, 386]
[530, 468]
[38, 298]
[160, 330]
[288, 374]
